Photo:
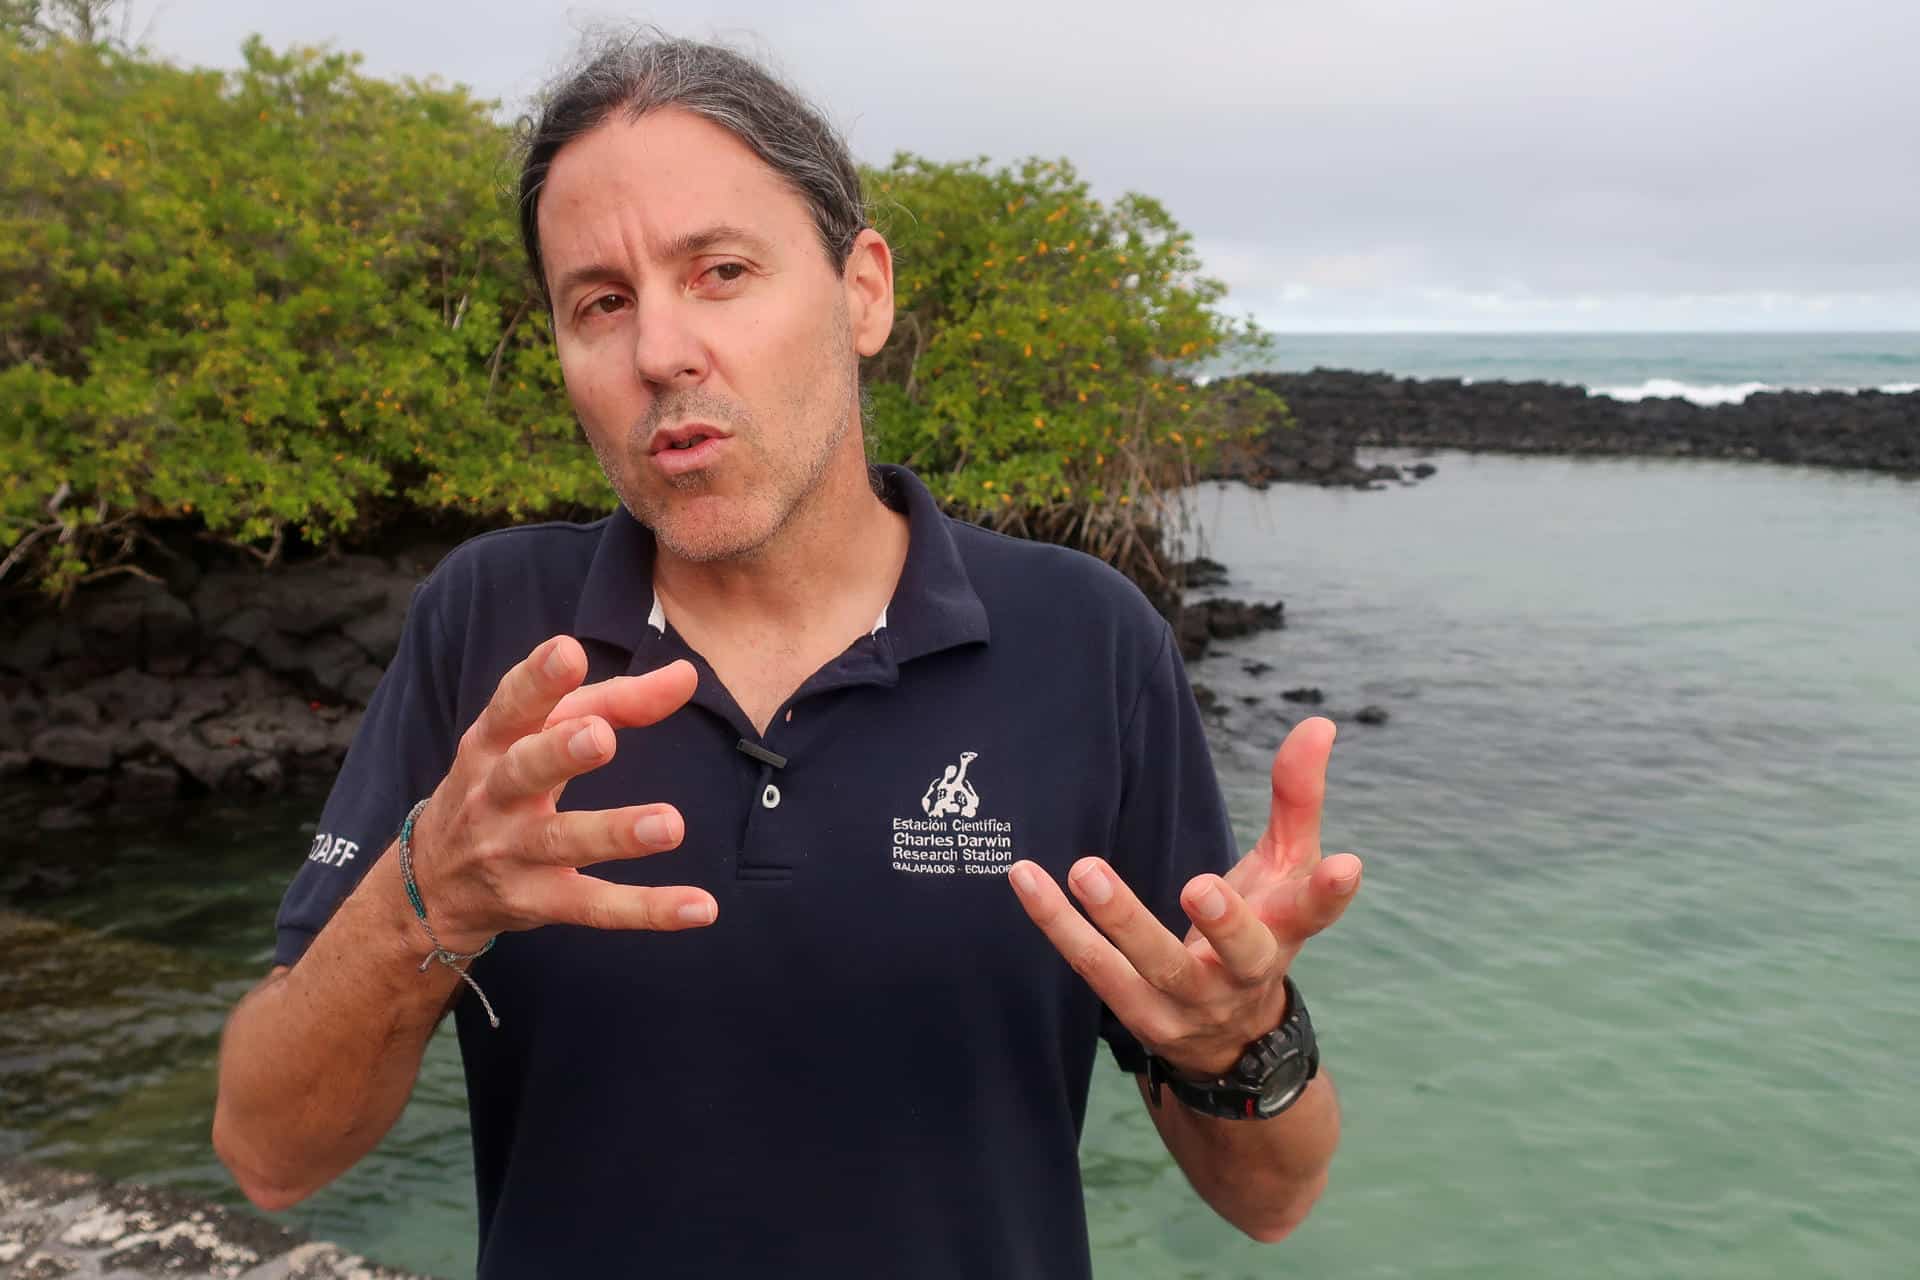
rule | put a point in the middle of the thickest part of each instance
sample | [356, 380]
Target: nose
[667, 350]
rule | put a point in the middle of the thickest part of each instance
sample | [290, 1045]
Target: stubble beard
[793, 469]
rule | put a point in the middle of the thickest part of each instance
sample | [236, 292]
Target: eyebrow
[688, 245]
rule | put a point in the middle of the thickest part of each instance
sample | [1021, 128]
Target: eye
[722, 275]
[607, 304]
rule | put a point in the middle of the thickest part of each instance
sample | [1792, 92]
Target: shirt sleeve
[404, 746]
[1172, 824]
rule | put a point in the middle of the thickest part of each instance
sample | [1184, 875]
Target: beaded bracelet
[454, 960]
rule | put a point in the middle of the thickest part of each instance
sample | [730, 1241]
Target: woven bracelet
[454, 960]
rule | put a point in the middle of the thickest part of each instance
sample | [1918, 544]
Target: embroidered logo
[951, 793]
[952, 839]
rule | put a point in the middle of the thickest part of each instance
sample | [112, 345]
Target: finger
[537, 765]
[1318, 900]
[1092, 956]
[580, 838]
[1155, 954]
[1299, 781]
[590, 901]
[631, 702]
[526, 694]
[1242, 940]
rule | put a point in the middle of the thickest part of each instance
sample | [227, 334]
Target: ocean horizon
[1705, 368]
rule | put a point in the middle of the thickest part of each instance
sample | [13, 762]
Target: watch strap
[1239, 1093]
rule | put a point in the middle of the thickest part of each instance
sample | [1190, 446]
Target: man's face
[710, 349]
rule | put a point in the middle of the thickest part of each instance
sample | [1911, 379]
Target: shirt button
[770, 798]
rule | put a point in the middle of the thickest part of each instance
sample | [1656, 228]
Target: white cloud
[1592, 163]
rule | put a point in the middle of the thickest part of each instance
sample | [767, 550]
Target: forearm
[1263, 1176]
[318, 1061]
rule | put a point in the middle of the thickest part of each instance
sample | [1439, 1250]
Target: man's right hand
[491, 851]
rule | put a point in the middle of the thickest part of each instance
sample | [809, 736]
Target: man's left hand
[1197, 1003]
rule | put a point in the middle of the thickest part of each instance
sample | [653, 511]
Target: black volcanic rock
[1336, 412]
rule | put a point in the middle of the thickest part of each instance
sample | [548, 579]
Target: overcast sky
[1343, 164]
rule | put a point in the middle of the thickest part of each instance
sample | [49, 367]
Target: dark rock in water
[1190, 633]
[1256, 669]
[1421, 470]
[1202, 572]
[1227, 619]
[1203, 621]
[1334, 412]
[211, 766]
[1371, 715]
[1308, 695]
[72, 746]
[1208, 700]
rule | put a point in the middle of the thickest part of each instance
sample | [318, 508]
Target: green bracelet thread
[454, 960]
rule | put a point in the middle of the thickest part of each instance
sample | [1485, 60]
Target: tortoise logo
[950, 794]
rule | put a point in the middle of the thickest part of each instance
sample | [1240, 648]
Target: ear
[868, 280]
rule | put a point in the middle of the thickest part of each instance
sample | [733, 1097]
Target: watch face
[1284, 1083]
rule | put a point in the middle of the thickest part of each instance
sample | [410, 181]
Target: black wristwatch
[1269, 1077]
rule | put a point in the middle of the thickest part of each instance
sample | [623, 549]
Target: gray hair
[647, 71]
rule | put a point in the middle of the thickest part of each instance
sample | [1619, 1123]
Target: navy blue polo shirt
[872, 1063]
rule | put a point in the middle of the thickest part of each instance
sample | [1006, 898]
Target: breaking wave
[1721, 393]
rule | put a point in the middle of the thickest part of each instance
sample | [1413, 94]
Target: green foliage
[1040, 371]
[287, 302]
[267, 300]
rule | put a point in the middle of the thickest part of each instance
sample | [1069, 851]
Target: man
[820, 1036]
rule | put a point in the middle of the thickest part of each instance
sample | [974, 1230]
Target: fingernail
[697, 913]
[653, 829]
[1022, 877]
[1095, 887]
[1347, 886]
[556, 663]
[1212, 904]
[582, 744]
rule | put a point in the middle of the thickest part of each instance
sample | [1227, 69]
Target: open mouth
[688, 443]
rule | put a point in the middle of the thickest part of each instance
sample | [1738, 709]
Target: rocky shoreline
[1337, 412]
[54, 1223]
[222, 677]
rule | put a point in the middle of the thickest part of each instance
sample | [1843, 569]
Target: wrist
[1269, 1076]
[432, 928]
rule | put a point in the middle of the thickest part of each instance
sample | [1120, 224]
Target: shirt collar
[934, 605]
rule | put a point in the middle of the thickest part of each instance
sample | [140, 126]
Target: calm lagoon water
[1630, 991]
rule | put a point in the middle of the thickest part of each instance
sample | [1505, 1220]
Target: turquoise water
[1630, 990]
[1707, 367]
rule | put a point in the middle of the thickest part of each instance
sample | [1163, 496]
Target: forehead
[657, 178]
